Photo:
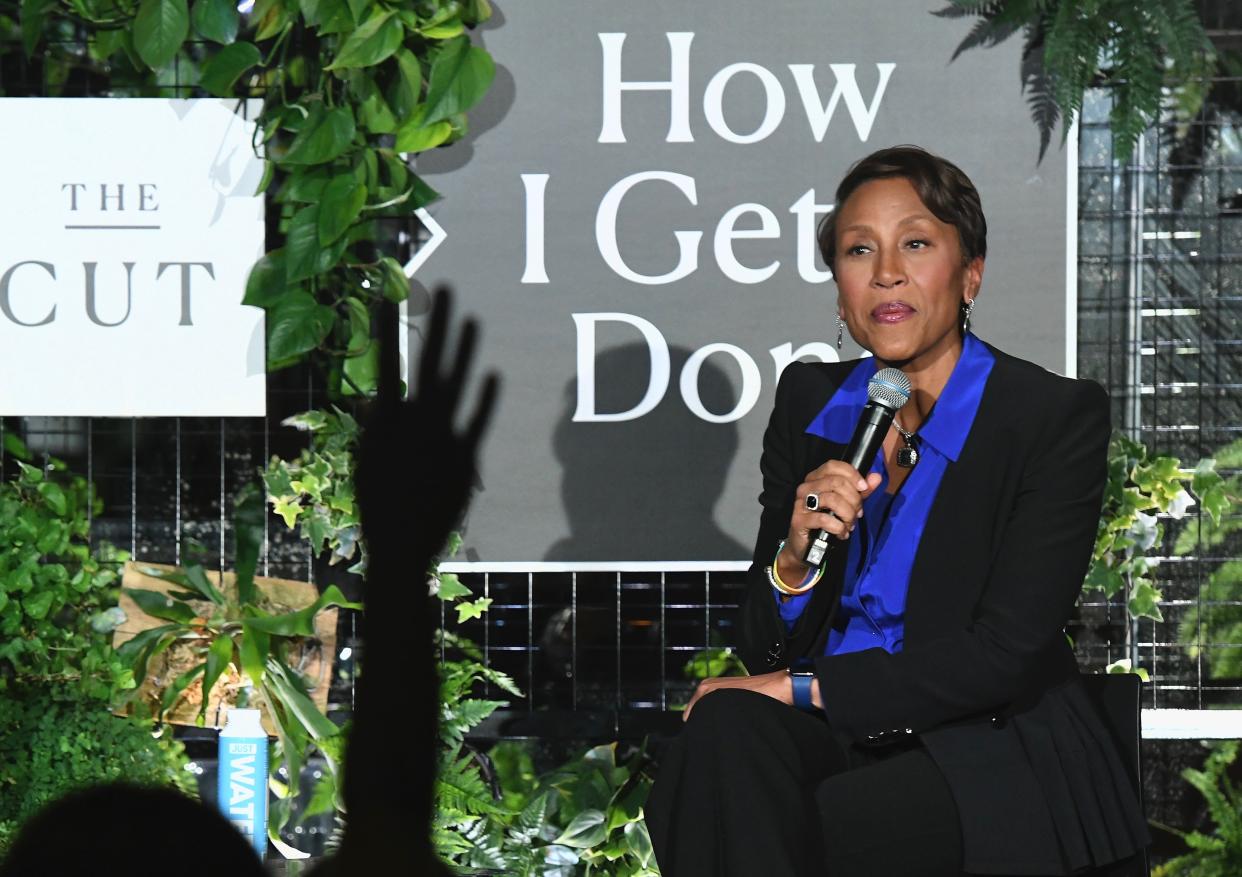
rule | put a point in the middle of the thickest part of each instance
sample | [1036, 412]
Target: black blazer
[986, 678]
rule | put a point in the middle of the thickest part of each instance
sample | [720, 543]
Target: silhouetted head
[646, 489]
[123, 829]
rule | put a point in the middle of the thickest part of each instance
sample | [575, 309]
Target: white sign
[127, 232]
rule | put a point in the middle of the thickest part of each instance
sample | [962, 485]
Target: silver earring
[840, 331]
[966, 309]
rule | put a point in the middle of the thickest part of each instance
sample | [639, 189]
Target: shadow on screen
[646, 489]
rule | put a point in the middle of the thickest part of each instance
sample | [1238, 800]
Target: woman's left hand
[775, 685]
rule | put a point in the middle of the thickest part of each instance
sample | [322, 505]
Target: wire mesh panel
[1160, 294]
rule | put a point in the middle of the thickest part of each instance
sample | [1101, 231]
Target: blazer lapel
[951, 564]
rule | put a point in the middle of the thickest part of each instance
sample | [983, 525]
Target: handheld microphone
[887, 391]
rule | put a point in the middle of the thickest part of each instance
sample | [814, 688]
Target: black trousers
[755, 788]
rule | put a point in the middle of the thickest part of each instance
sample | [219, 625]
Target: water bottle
[242, 784]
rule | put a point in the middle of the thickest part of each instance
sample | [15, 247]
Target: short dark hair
[943, 188]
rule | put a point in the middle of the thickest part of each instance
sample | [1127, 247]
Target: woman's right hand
[841, 491]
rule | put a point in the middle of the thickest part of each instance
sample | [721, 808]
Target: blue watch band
[802, 690]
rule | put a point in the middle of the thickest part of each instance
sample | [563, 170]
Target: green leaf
[54, 496]
[1144, 602]
[640, 842]
[323, 796]
[376, 39]
[363, 371]
[254, 649]
[37, 605]
[443, 31]
[396, 284]
[296, 325]
[403, 94]
[627, 804]
[450, 587]
[302, 707]
[374, 114]
[32, 15]
[215, 20]
[15, 446]
[359, 333]
[301, 622]
[460, 76]
[358, 8]
[305, 256]
[305, 186]
[266, 283]
[159, 605]
[249, 517]
[324, 136]
[288, 507]
[1216, 502]
[218, 658]
[269, 174]
[475, 609]
[192, 577]
[1205, 475]
[138, 651]
[130, 649]
[417, 137]
[1104, 578]
[159, 29]
[586, 830]
[341, 203]
[221, 72]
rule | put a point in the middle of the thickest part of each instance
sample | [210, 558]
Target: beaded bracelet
[812, 576]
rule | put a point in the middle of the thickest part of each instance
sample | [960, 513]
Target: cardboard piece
[313, 657]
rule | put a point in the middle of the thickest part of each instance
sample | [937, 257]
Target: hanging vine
[350, 88]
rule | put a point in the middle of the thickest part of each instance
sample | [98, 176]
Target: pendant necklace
[908, 456]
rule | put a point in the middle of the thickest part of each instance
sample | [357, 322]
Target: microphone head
[889, 387]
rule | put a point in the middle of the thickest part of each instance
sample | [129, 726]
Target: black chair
[1117, 695]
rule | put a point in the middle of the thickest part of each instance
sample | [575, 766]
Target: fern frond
[1038, 88]
[987, 32]
[464, 715]
[460, 789]
[967, 8]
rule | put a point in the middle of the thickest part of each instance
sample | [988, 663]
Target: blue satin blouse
[886, 538]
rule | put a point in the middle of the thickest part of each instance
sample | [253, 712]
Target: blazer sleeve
[765, 645]
[1033, 582]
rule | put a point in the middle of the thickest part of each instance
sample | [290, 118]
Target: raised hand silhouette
[415, 473]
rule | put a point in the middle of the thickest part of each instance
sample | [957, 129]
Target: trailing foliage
[1135, 49]
[1140, 487]
[236, 627]
[1218, 854]
[350, 88]
[57, 593]
[315, 491]
[1216, 617]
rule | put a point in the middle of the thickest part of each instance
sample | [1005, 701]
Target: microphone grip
[865, 443]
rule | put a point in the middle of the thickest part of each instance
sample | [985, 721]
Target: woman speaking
[914, 708]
